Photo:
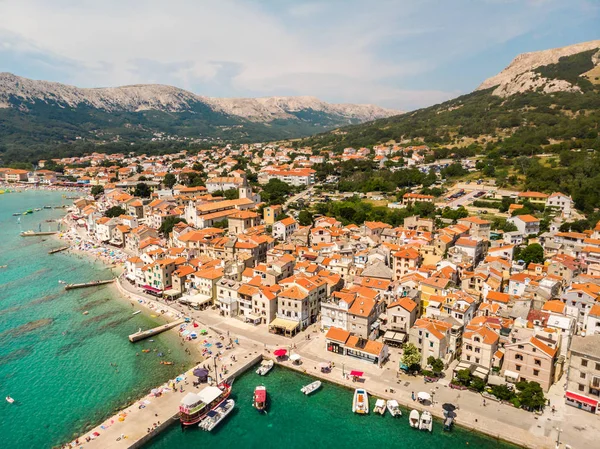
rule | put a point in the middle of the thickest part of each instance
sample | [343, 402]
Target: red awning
[152, 289]
[582, 399]
[260, 395]
[356, 373]
[280, 352]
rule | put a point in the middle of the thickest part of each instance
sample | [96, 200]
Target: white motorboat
[265, 367]
[393, 408]
[379, 407]
[136, 312]
[360, 403]
[216, 415]
[426, 421]
[311, 388]
[9, 399]
[413, 419]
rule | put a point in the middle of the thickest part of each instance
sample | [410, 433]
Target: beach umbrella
[280, 352]
[449, 407]
[356, 373]
[423, 396]
[204, 331]
[295, 357]
[200, 372]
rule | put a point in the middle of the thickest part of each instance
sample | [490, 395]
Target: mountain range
[543, 101]
[46, 112]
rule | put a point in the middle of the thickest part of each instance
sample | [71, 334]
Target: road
[298, 196]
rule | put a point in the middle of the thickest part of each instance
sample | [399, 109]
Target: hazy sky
[402, 54]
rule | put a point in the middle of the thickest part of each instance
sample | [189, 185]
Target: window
[584, 362]
[538, 362]
[477, 360]
[518, 357]
[581, 387]
[582, 375]
[469, 358]
[518, 367]
[597, 366]
[536, 372]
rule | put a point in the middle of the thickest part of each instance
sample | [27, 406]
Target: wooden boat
[265, 367]
[360, 403]
[195, 406]
[393, 408]
[413, 419]
[311, 388]
[379, 407]
[426, 421]
[260, 398]
[9, 400]
[218, 414]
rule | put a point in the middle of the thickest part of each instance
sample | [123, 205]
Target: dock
[37, 234]
[58, 250]
[155, 331]
[88, 284]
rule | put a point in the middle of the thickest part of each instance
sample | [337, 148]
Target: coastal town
[489, 295]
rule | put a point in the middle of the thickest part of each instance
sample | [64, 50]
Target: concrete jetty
[37, 234]
[154, 331]
[88, 284]
[58, 250]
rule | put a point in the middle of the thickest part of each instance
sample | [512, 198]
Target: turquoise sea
[54, 360]
[322, 420]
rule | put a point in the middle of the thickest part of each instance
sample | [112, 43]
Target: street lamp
[432, 397]
[558, 437]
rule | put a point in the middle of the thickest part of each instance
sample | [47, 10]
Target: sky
[400, 54]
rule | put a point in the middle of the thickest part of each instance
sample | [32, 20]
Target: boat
[448, 423]
[136, 312]
[260, 398]
[265, 367]
[426, 421]
[195, 406]
[28, 211]
[61, 282]
[162, 362]
[379, 407]
[86, 312]
[3, 266]
[360, 403]
[413, 419]
[37, 209]
[311, 388]
[145, 350]
[47, 207]
[16, 214]
[215, 416]
[9, 399]
[393, 407]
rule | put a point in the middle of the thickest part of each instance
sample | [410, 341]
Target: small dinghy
[426, 421]
[360, 403]
[311, 388]
[218, 414]
[379, 407]
[265, 367]
[9, 400]
[393, 408]
[413, 419]
[136, 312]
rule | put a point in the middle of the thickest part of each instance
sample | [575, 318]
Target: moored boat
[393, 408]
[265, 367]
[195, 406]
[413, 419]
[310, 388]
[360, 403]
[9, 399]
[426, 421]
[379, 407]
[136, 312]
[218, 414]
[260, 398]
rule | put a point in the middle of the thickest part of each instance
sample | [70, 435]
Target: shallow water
[55, 361]
[321, 420]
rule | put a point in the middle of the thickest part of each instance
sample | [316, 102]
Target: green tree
[97, 190]
[114, 211]
[142, 190]
[502, 392]
[231, 194]
[533, 253]
[221, 224]
[276, 191]
[531, 395]
[411, 357]
[169, 180]
[464, 377]
[169, 223]
[437, 365]
[305, 218]
[478, 384]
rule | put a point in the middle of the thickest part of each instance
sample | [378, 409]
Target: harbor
[37, 234]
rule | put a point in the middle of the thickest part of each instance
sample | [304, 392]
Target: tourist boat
[265, 367]
[360, 403]
[311, 388]
[393, 407]
[195, 406]
[3, 266]
[214, 417]
[426, 421]
[379, 407]
[136, 312]
[413, 419]
[9, 399]
[260, 398]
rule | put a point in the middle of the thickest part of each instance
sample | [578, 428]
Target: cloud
[339, 50]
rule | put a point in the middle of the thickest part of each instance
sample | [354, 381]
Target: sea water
[66, 370]
[322, 420]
